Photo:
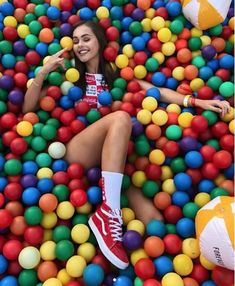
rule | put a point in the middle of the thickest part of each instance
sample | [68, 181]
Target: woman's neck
[92, 66]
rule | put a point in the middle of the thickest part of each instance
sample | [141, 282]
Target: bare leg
[104, 142]
[143, 207]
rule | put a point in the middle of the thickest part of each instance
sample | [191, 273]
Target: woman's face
[85, 44]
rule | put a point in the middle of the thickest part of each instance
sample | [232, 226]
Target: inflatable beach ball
[205, 14]
[215, 231]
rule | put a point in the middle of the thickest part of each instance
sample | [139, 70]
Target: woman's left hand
[219, 106]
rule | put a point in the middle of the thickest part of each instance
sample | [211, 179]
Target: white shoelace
[115, 221]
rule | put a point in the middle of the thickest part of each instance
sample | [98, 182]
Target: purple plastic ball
[132, 240]
[218, 97]
[230, 12]
[109, 279]
[188, 143]
[79, 3]
[6, 82]
[16, 97]
[138, 14]
[29, 180]
[66, 29]
[64, 16]
[19, 48]
[137, 128]
[94, 174]
[208, 52]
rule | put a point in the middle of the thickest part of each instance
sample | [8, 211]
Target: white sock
[112, 183]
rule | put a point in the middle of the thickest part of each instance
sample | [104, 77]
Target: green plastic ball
[173, 132]
[38, 144]
[176, 27]
[151, 64]
[142, 147]
[93, 115]
[28, 277]
[3, 95]
[226, 89]
[79, 219]
[178, 165]
[33, 215]
[171, 228]
[61, 192]
[55, 78]
[43, 160]
[48, 132]
[54, 122]
[54, 48]
[150, 188]
[29, 17]
[37, 128]
[124, 201]
[29, 155]
[120, 83]
[198, 61]
[40, 10]
[3, 107]
[214, 143]
[117, 93]
[5, 47]
[64, 250]
[216, 30]
[31, 41]
[190, 210]
[135, 28]
[43, 115]
[217, 192]
[211, 117]
[214, 82]
[35, 27]
[126, 182]
[12, 167]
[61, 232]
[194, 43]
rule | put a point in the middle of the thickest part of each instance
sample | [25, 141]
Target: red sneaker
[106, 225]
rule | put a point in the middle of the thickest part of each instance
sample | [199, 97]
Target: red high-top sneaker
[106, 225]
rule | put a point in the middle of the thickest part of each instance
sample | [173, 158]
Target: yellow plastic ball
[87, 250]
[138, 178]
[196, 53]
[146, 24]
[173, 38]
[44, 173]
[72, 75]
[65, 210]
[184, 119]
[202, 199]
[47, 250]
[63, 276]
[219, 179]
[164, 35]
[168, 49]
[172, 279]
[196, 84]
[140, 71]
[195, 32]
[23, 31]
[157, 156]
[166, 173]
[136, 225]
[47, 235]
[182, 264]
[231, 39]
[52, 282]
[144, 116]
[231, 23]
[168, 186]
[137, 255]
[159, 117]
[121, 61]
[178, 73]
[190, 247]
[173, 107]
[128, 51]
[66, 42]
[157, 23]
[55, 3]
[102, 13]
[10, 21]
[75, 266]
[24, 128]
[159, 56]
[80, 233]
[206, 40]
[150, 13]
[84, 209]
[206, 263]
[231, 126]
[127, 215]
[49, 220]
[229, 116]
[150, 103]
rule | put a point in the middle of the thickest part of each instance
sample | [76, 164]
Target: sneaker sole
[103, 247]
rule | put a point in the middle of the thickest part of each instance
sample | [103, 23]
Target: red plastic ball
[199, 123]
[77, 126]
[205, 92]
[60, 177]
[46, 23]
[5, 218]
[32, 58]
[10, 34]
[154, 45]
[189, 132]
[195, 175]
[75, 171]
[151, 282]
[93, 4]
[102, 262]
[56, 112]
[66, 5]
[110, 53]
[227, 142]
[20, 79]
[2, 200]
[8, 120]
[209, 171]
[112, 34]
[22, 67]
[173, 243]
[128, 107]
[20, 3]
[13, 191]
[82, 108]
[54, 92]
[34, 235]
[67, 117]
[128, 9]
[222, 276]
[180, 44]
[76, 184]
[167, 72]
[133, 86]
[172, 118]
[8, 137]
[18, 146]
[14, 268]
[219, 129]
[144, 268]
[222, 159]
[171, 148]
[172, 63]
[153, 172]
[140, 58]
[173, 213]
[223, 74]
[207, 152]
[11, 249]
[78, 198]
[199, 273]
[105, 23]
[73, 19]
[64, 134]
[162, 12]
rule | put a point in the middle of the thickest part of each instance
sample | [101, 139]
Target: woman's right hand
[54, 62]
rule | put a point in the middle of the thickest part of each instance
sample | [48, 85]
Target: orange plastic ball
[161, 142]
[47, 103]
[219, 44]
[127, 97]
[15, 208]
[154, 246]
[162, 200]
[141, 163]
[18, 225]
[46, 35]
[184, 55]
[228, 185]
[31, 117]
[46, 270]
[185, 34]
[30, 8]
[48, 203]
[190, 72]
[143, 4]
[190, 282]
[19, 14]
[153, 132]
[127, 73]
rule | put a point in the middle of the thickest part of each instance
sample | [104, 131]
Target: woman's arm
[34, 92]
[171, 96]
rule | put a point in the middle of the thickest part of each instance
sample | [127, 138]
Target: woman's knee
[123, 118]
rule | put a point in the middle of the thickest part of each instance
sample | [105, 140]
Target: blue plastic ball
[206, 186]
[29, 167]
[65, 102]
[116, 13]
[205, 73]
[138, 43]
[208, 283]
[180, 198]
[122, 281]
[128, 272]
[9, 281]
[45, 185]
[163, 265]
[174, 8]
[213, 64]
[3, 264]
[226, 62]
[156, 227]
[158, 79]
[8, 61]
[85, 13]
[30, 196]
[171, 83]
[126, 37]
[28, 180]
[75, 93]
[42, 49]
[229, 172]
[126, 21]
[185, 227]
[94, 195]
[93, 275]
[2, 162]
[59, 165]
[7, 9]
[193, 159]
[153, 92]
[182, 181]
[105, 98]
[3, 183]
[53, 13]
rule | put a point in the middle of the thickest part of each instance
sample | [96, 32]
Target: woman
[103, 137]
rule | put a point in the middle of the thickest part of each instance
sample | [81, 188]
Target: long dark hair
[105, 67]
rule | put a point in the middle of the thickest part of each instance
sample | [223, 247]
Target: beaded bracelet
[186, 100]
[35, 83]
[193, 101]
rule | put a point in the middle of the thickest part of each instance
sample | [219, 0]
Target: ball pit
[180, 157]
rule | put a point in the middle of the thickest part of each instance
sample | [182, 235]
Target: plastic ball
[56, 150]
[183, 264]
[80, 233]
[159, 117]
[29, 257]
[93, 275]
[132, 240]
[75, 266]
[144, 268]
[172, 279]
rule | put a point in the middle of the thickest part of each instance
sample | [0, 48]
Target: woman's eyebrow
[84, 35]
